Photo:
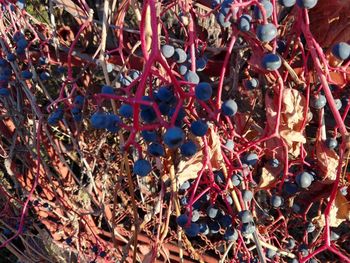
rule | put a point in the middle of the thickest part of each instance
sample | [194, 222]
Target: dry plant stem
[103, 48]
[132, 192]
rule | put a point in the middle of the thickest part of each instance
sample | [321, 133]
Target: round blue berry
[267, 32]
[174, 137]
[203, 91]
[244, 22]
[229, 108]
[26, 74]
[188, 149]
[142, 167]
[156, 149]
[180, 55]
[192, 77]
[126, 111]
[107, 89]
[149, 136]
[271, 62]
[199, 128]
[168, 51]
[164, 94]
[341, 50]
[267, 5]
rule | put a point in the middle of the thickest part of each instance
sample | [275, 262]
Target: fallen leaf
[291, 121]
[339, 212]
[267, 178]
[328, 161]
[188, 169]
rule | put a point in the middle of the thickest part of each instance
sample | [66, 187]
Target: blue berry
[26, 74]
[268, 9]
[245, 216]
[21, 4]
[164, 108]
[215, 3]
[251, 83]
[229, 199]
[308, 4]
[79, 100]
[338, 104]
[341, 50]
[219, 177]
[290, 188]
[20, 51]
[107, 90]
[69, 240]
[250, 159]
[244, 22]
[192, 77]
[212, 211]
[148, 115]
[225, 221]
[247, 195]
[204, 229]
[203, 91]
[149, 136]
[271, 62]
[270, 253]
[164, 94]
[195, 216]
[112, 123]
[103, 254]
[192, 230]
[229, 108]
[304, 179]
[43, 60]
[22, 43]
[231, 234]
[182, 220]
[199, 128]
[221, 18]
[201, 63]
[11, 57]
[156, 149]
[55, 117]
[276, 201]
[44, 75]
[188, 149]
[185, 185]
[168, 51]
[94, 249]
[287, 3]
[310, 227]
[134, 74]
[183, 69]
[236, 180]
[274, 163]
[180, 55]
[174, 137]
[281, 46]
[266, 33]
[99, 120]
[4, 92]
[126, 111]
[331, 143]
[214, 227]
[248, 228]
[142, 167]
[290, 243]
[319, 102]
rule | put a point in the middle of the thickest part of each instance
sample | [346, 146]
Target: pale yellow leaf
[266, 179]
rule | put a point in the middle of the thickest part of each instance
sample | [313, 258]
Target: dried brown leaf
[328, 161]
[188, 169]
[292, 118]
[339, 212]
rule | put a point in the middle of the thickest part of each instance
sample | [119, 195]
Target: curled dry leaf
[188, 169]
[328, 161]
[292, 118]
[340, 211]
[247, 127]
